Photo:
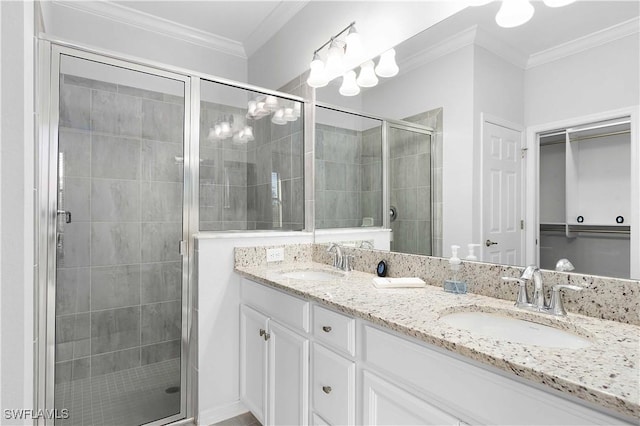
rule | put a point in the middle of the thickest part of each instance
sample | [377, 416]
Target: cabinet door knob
[262, 332]
[326, 328]
[267, 336]
[326, 389]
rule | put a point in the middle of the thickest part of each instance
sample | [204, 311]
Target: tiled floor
[245, 419]
[129, 397]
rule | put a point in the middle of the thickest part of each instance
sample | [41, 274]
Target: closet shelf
[600, 229]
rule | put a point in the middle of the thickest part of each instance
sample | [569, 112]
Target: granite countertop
[606, 373]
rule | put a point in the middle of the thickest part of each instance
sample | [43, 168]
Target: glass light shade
[271, 103]
[349, 86]
[261, 109]
[557, 3]
[248, 133]
[225, 129]
[354, 44]
[514, 13]
[478, 2]
[212, 134]
[317, 75]
[289, 115]
[335, 59]
[238, 137]
[278, 117]
[253, 105]
[387, 66]
[367, 77]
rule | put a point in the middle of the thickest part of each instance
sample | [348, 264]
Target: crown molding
[589, 41]
[438, 50]
[278, 17]
[129, 16]
[501, 49]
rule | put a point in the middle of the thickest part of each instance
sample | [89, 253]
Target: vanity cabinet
[361, 373]
[274, 356]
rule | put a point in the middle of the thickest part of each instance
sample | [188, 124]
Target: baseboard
[224, 412]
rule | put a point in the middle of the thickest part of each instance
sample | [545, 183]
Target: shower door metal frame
[50, 53]
[415, 128]
[386, 125]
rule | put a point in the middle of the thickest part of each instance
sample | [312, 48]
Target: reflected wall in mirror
[348, 164]
[251, 160]
[568, 63]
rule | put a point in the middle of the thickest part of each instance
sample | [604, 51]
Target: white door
[387, 404]
[501, 195]
[253, 360]
[288, 376]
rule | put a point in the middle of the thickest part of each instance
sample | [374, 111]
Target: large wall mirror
[494, 90]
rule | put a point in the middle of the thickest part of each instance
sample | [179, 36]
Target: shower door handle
[67, 215]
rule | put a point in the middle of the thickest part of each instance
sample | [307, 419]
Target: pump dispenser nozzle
[471, 251]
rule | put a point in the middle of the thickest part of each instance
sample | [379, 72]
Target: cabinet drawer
[288, 310]
[334, 329]
[333, 386]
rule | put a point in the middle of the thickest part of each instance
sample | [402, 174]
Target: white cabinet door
[253, 360]
[387, 404]
[288, 376]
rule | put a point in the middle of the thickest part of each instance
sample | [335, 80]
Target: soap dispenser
[452, 285]
[471, 254]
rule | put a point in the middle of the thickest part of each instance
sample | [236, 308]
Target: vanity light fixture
[349, 51]
[514, 13]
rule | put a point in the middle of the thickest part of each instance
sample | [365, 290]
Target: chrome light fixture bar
[349, 50]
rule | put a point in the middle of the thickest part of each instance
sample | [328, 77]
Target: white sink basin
[313, 275]
[514, 330]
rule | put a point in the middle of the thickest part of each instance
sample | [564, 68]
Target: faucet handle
[523, 296]
[555, 306]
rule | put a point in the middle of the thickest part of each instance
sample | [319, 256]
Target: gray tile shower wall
[348, 177]
[119, 276]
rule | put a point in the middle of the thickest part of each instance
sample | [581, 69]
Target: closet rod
[621, 132]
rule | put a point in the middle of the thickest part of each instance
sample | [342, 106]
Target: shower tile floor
[128, 397]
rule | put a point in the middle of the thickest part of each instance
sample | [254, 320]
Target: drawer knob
[326, 389]
[326, 328]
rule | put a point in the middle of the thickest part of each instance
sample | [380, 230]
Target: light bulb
[387, 66]
[218, 131]
[349, 86]
[557, 3]
[317, 75]
[335, 57]
[367, 77]
[354, 44]
[513, 13]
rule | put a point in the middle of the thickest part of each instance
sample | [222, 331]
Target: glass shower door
[410, 191]
[119, 273]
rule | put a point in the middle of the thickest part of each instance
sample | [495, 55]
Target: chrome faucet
[538, 301]
[336, 251]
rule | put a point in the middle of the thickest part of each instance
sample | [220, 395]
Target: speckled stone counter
[606, 373]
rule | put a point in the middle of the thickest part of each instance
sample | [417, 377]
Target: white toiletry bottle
[471, 252]
[453, 285]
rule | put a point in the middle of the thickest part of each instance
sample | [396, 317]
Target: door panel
[501, 195]
[119, 274]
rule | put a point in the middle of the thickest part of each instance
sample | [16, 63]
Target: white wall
[16, 199]
[599, 79]
[382, 24]
[218, 312]
[446, 82]
[498, 90]
[97, 31]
